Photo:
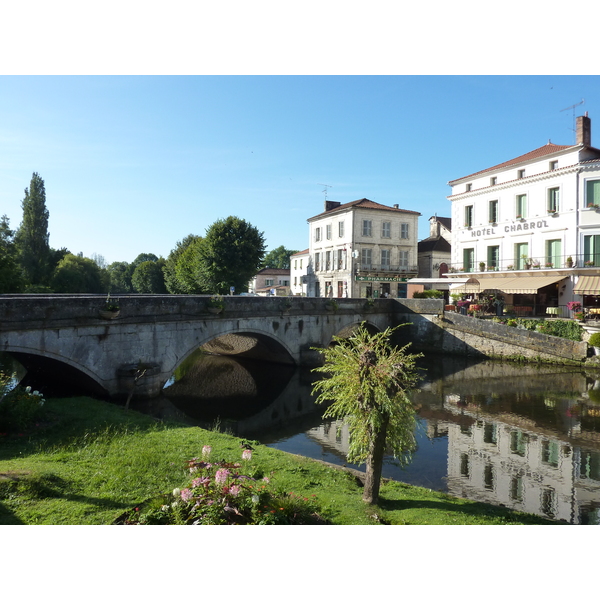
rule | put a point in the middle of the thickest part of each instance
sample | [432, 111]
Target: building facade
[271, 282]
[361, 249]
[530, 226]
[299, 272]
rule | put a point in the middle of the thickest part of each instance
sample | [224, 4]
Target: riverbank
[87, 462]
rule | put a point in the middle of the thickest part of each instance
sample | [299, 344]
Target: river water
[522, 436]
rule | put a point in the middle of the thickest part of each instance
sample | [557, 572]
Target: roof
[268, 271]
[546, 150]
[438, 243]
[302, 252]
[365, 203]
[446, 222]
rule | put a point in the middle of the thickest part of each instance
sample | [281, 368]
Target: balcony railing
[525, 263]
[378, 267]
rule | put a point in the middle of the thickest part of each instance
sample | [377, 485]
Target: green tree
[77, 275]
[278, 258]
[230, 255]
[148, 277]
[10, 272]
[367, 382]
[120, 277]
[181, 265]
[32, 238]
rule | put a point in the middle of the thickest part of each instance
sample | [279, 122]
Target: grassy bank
[88, 462]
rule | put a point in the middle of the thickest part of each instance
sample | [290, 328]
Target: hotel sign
[523, 226]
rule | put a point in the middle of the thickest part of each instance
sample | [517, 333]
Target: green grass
[88, 462]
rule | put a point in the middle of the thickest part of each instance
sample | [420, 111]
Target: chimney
[330, 205]
[584, 131]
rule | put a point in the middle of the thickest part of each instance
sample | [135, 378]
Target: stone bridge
[65, 335]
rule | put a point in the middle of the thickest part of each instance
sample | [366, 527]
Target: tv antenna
[325, 190]
[573, 109]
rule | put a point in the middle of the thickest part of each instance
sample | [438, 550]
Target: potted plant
[589, 263]
[549, 265]
[511, 267]
[535, 264]
[594, 342]
[215, 305]
[482, 266]
[579, 316]
[569, 263]
[110, 309]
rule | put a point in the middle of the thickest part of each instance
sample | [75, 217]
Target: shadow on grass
[475, 510]
[8, 517]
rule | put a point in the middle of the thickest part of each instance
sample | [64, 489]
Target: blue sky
[135, 163]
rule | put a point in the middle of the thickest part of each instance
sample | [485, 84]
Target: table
[553, 310]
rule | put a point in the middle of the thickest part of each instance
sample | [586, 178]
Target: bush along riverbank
[84, 461]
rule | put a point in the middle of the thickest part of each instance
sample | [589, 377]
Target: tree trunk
[374, 463]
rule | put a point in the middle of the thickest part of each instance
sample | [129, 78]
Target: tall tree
[278, 258]
[32, 238]
[120, 277]
[230, 255]
[367, 382]
[10, 272]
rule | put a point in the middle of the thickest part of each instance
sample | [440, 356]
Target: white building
[529, 227]
[299, 272]
[271, 282]
[362, 249]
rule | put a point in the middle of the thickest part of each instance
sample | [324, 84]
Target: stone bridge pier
[154, 334]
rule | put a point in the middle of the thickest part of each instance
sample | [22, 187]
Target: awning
[587, 285]
[518, 285]
[512, 285]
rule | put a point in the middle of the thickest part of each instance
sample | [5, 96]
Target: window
[341, 229]
[521, 206]
[592, 192]
[550, 453]
[518, 442]
[493, 256]
[469, 215]
[365, 258]
[268, 282]
[341, 263]
[489, 433]
[403, 259]
[493, 180]
[366, 230]
[317, 261]
[464, 464]
[295, 264]
[300, 263]
[468, 259]
[553, 195]
[516, 489]
[295, 281]
[548, 502]
[591, 249]
[493, 211]
[317, 234]
[328, 231]
[385, 260]
[386, 230]
[404, 231]
[488, 477]
[521, 255]
[328, 260]
[553, 165]
[590, 465]
[554, 253]
[469, 187]
[520, 173]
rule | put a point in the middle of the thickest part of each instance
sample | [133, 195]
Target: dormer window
[520, 173]
[493, 180]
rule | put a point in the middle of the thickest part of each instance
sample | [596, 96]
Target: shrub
[594, 339]
[574, 306]
[429, 294]
[18, 406]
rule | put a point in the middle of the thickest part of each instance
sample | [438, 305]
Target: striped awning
[587, 285]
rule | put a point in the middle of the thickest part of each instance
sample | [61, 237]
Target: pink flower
[187, 494]
[221, 475]
[206, 450]
[234, 490]
[246, 454]
[200, 481]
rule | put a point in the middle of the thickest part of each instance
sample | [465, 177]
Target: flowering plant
[549, 265]
[574, 305]
[589, 263]
[111, 305]
[220, 493]
[18, 405]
